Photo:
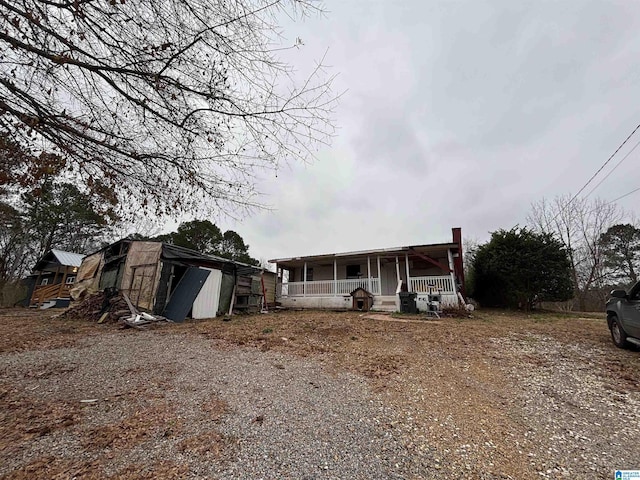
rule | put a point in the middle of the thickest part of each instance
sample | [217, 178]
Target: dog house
[362, 300]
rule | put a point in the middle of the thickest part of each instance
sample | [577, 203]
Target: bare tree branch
[578, 225]
[172, 106]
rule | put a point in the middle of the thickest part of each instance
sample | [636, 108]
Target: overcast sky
[455, 114]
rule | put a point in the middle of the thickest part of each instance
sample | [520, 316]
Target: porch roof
[429, 249]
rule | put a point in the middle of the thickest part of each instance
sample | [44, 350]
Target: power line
[594, 176]
[612, 170]
[596, 208]
[604, 165]
[625, 195]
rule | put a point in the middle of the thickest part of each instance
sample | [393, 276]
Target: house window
[309, 274]
[70, 280]
[44, 281]
[353, 271]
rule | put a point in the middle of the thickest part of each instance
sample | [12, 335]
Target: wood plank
[131, 307]
[430, 260]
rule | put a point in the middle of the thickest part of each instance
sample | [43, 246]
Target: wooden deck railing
[42, 293]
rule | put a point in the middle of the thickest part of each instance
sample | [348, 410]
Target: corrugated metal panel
[226, 292]
[206, 303]
[68, 259]
[187, 290]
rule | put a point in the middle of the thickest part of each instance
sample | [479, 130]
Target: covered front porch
[326, 281]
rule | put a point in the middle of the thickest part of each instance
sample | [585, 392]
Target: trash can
[408, 302]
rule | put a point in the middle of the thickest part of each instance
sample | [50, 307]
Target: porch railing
[42, 293]
[442, 284]
[323, 288]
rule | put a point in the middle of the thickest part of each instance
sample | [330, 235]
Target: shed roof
[178, 253]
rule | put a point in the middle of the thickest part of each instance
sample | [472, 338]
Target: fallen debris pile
[104, 306]
[111, 305]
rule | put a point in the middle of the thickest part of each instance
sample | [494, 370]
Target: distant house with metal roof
[52, 277]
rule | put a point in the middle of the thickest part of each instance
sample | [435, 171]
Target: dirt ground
[497, 395]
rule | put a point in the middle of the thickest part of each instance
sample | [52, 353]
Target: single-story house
[329, 280]
[51, 279]
[175, 281]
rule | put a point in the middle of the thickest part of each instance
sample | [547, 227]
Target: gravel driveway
[326, 395]
[274, 415]
[586, 417]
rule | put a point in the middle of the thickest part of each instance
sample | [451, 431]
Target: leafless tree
[578, 224]
[14, 258]
[169, 105]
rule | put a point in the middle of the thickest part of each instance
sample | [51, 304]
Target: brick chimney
[458, 267]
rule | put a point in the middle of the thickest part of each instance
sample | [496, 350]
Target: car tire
[617, 333]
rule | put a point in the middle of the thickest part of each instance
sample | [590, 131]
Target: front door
[389, 278]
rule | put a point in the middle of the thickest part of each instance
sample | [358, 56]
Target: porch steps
[51, 303]
[384, 303]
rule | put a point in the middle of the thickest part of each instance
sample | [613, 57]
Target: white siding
[206, 303]
[321, 272]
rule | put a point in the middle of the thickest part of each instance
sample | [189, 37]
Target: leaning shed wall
[88, 276]
[141, 273]
[269, 279]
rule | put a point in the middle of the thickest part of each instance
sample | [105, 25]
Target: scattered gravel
[582, 417]
[284, 417]
[308, 395]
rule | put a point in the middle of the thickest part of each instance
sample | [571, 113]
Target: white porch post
[406, 264]
[304, 281]
[369, 272]
[453, 277]
[397, 271]
[335, 277]
[379, 276]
